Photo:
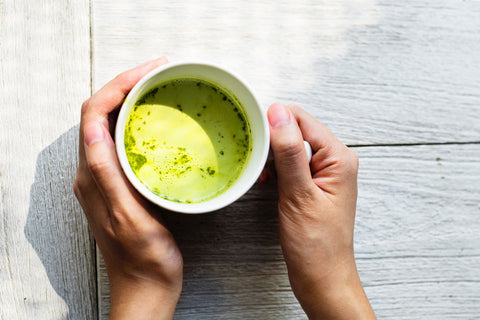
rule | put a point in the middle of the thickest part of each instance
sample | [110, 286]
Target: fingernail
[93, 132]
[278, 115]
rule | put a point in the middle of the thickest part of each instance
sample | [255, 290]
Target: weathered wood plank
[417, 243]
[46, 252]
[418, 231]
[373, 71]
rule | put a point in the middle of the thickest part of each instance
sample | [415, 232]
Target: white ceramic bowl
[236, 87]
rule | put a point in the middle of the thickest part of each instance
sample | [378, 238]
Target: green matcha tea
[187, 140]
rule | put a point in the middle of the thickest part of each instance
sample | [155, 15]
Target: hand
[144, 264]
[317, 214]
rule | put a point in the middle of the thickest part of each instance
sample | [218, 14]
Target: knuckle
[349, 162]
[353, 159]
[85, 106]
[120, 219]
[294, 107]
[99, 168]
[108, 230]
[79, 186]
[289, 149]
[123, 216]
[121, 77]
[76, 189]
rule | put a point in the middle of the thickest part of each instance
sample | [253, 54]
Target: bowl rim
[210, 205]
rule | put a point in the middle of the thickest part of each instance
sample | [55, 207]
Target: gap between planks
[412, 144]
[95, 248]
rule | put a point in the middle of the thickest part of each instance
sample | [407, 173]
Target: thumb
[291, 162]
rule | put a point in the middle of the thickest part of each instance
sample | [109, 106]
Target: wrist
[142, 300]
[339, 295]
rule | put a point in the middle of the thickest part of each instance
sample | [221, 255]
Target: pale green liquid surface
[187, 141]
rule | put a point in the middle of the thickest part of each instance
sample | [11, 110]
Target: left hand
[144, 264]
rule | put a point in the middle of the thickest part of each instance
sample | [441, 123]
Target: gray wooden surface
[47, 255]
[398, 81]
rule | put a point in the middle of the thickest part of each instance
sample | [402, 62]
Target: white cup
[236, 87]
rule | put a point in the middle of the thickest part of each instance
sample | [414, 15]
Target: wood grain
[376, 72]
[418, 231]
[46, 252]
[417, 243]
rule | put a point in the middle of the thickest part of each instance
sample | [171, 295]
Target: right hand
[316, 207]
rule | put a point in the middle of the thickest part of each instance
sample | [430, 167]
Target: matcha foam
[187, 140]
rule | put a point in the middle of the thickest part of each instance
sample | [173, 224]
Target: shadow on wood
[57, 229]
[234, 267]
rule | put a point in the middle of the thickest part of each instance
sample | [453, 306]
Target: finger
[291, 162]
[313, 131]
[103, 164]
[110, 97]
[332, 161]
[113, 93]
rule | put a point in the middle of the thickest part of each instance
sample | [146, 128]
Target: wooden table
[398, 81]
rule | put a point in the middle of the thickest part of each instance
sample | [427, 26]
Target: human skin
[143, 262]
[316, 213]
[316, 208]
